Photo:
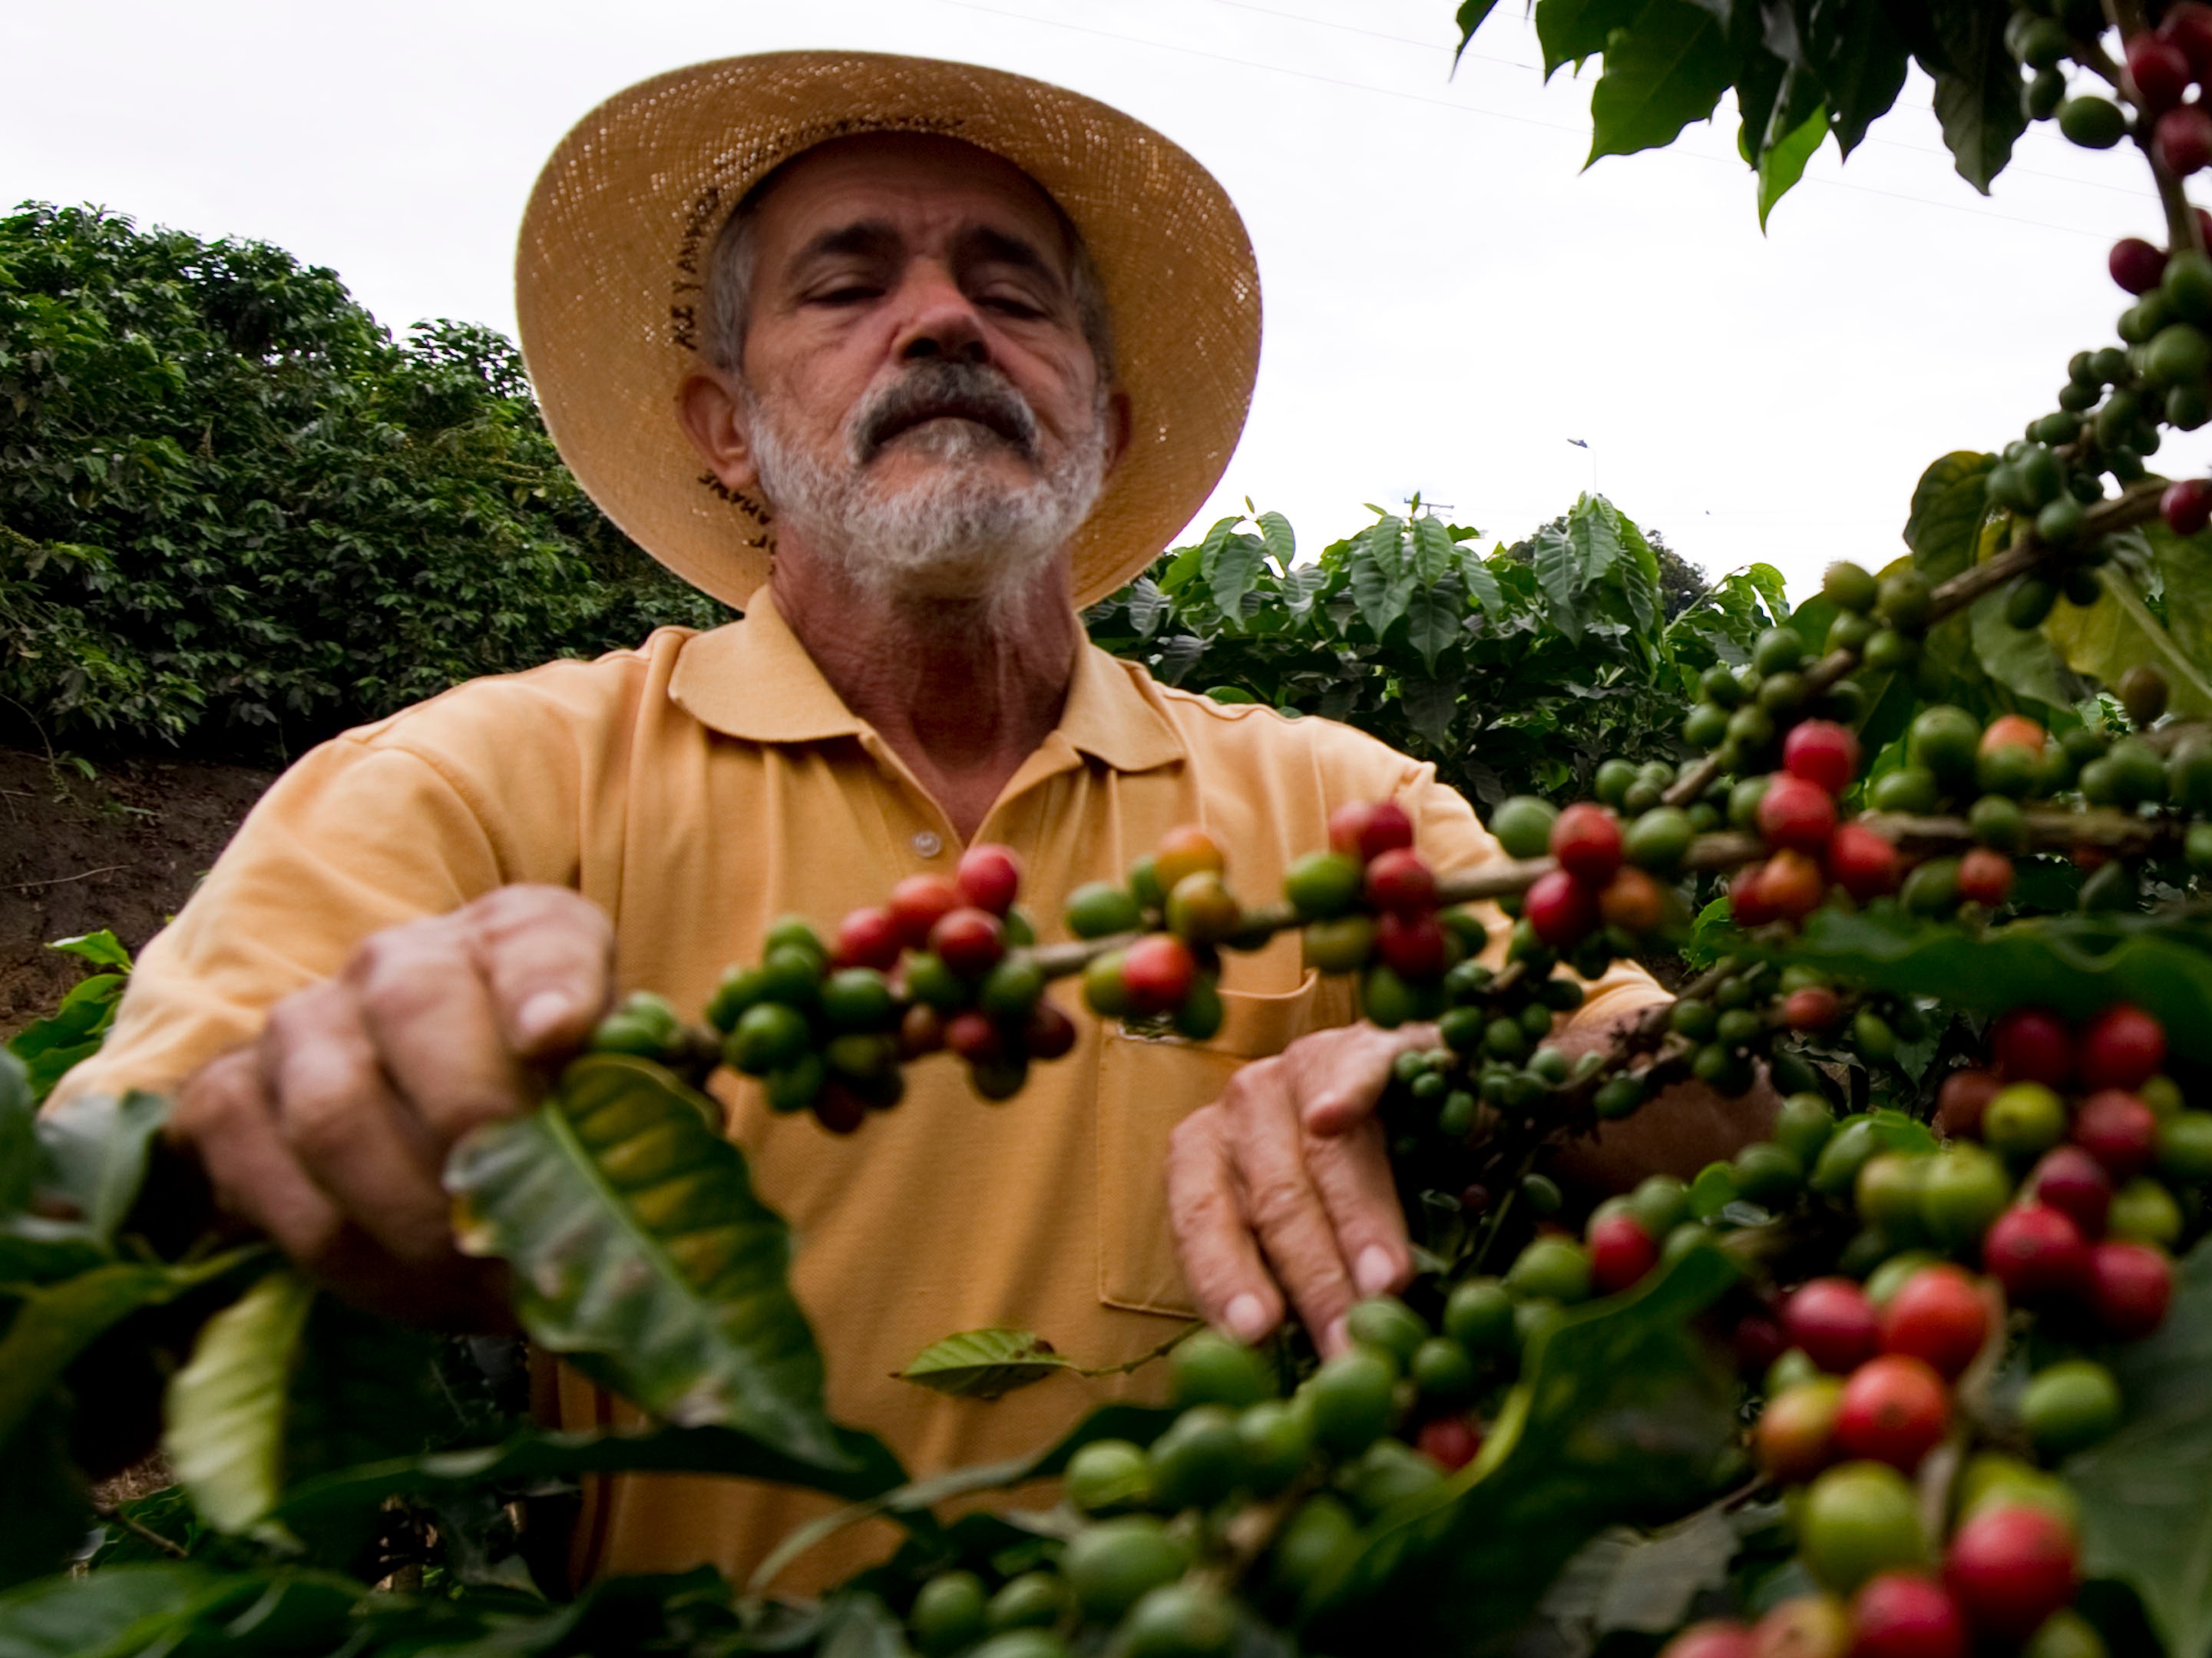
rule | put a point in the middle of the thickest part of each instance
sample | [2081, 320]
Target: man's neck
[963, 691]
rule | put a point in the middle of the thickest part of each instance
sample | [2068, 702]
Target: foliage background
[236, 515]
[1516, 670]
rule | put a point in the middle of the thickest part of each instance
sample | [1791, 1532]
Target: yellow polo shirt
[702, 785]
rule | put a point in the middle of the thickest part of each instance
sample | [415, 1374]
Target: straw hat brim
[613, 251]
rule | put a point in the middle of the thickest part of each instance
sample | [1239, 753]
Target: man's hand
[330, 1132]
[1284, 1184]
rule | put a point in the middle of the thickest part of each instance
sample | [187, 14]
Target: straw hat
[614, 248]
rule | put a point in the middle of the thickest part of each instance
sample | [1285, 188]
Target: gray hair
[733, 263]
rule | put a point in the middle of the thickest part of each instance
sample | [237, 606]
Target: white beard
[959, 533]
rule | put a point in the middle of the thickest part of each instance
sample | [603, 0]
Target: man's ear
[713, 419]
[1120, 424]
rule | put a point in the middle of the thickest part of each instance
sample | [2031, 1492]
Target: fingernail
[1247, 1318]
[1375, 1270]
[542, 1015]
[1336, 1338]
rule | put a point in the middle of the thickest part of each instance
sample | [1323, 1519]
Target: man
[980, 345]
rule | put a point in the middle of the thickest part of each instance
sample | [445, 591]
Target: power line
[1501, 115]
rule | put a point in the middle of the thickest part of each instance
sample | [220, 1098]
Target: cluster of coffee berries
[1743, 715]
[1143, 1570]
[1369, 905]
[1175, 974]
[1607, 892]
[946, 964]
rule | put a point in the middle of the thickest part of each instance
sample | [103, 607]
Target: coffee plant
[1922, 1373]
[1515, 671]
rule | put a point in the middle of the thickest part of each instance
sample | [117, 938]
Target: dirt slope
[123, 850]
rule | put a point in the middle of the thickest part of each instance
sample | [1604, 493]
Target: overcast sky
[1449, 298]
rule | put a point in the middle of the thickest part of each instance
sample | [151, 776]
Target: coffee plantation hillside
[1923, 1374]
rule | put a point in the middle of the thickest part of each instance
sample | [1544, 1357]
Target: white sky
[1448, 299]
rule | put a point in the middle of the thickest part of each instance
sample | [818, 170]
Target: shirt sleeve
[1453, 838]
[356, 837]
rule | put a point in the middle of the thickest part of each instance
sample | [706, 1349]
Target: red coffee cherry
[2136, 265]
[1367, 829]
[1398, 880]
[1157, 972]
[1560, 908]
[1450, 1442]
[2187, 505]
[969, 941]
[2161, 70]
[919, 903]
[1940, 1316]
[1822, 753]
[1904, 1615]
[1960, 1102]
[2130, 1286]
[1816, 1008]
[1895, 1409]
[1620, 1252]
[1862, 862]
[2011, 1568]
[2182, 140]
[2122, 1047]
[1747, 904]
[2188, 24]
[1586, 840]
[1415, 946]
[869, 938]
[1985, 876]
[2072, 1181]
[2030, 1045]
[1796, 813]
[988, 877]
[2119, 1132]
[1834, 1322]
[2037, 1253]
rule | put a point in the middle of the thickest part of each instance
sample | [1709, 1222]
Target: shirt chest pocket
[1146, 1087]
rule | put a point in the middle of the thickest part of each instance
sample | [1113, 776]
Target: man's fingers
[548, 955]
[428, 1014]
[1340, 1081]
[1285, 1209]
[224, 1113]
[1220, 1260]
[348, 1130]
[1352, 1172]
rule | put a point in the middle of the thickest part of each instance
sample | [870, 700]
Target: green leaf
[1231, 565]
[74, 1030]
[1669, 70]
[20, 1163]
[1766, 580]
[1382, 583]
[1976, 89]
[1865, 72]
[178, 1607]
[225, 1412]
[912, 1502]
[1781, 165]
[2111, 636]
[985, 1363]
[94, 1150]
[2077, 964]
[1558, 571]
[1279, 538]
[1569, 31]
[102, 949]
[641, 1254]
[2185, 576]
[54, 1323]
[1480, 584]
[2022, 660]
[2147, 1491]
[1469, 18]
[1430, 707]
[1621, 1413]
[1433, 615]
[1643, 1582]
[1436, 555]
[1948, 506]
[319, 1504]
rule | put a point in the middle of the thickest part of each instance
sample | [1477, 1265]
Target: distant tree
[237, 515]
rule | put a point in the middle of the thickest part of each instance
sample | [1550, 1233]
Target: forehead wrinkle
[868, 238]
[987, 244]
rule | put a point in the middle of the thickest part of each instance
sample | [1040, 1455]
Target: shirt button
[927, 844]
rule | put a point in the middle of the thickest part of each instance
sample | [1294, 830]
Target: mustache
[937, 391]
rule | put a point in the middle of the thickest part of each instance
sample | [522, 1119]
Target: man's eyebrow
[870, 238]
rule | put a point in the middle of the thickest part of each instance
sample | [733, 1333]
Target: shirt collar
[753, 679]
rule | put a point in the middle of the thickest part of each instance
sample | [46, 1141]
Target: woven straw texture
[614, 248]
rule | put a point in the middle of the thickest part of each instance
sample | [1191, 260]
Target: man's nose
[942, 321]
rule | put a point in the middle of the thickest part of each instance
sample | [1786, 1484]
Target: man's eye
[848, 294]
[1014, 305]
